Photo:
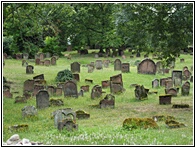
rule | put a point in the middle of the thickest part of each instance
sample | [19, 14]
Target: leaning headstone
[105, 83]
[125, 67]
[42, 99]
[116, 84]
[28, 85]
[171, 91]
[108, 101]
[185, 89]
[117, 64]
[96, 92]
[29, 111]
[147, 66]
[70, 89]
[75, 67]
[98, 64]
[41, 77]
[140, 92]
[155, 83]
[177, 77]
[117, 79]
[29, 69]
[53, 60]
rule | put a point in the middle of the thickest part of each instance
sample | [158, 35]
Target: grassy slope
[105, 125]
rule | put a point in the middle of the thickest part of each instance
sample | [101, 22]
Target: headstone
[47, 62]
[70, 89]
[90, 68]
[42, 99]
[7, 94]
[41, 63]
[26, 95]
[185, 89]
[155, 83]
[105, 83]
[80, 114]
[96, 92]
[117, 64]
[98, 64]
[36, 56]
[185, 68]
[147, 66]
[51, 90]
[76, 77]
[69, 125]
[125, 67]
[18, 56]
[48, 54]
[41, 56]
[162, 80]
[29, 69]
[20, 99]
[37, 88]
[75, 67]
[28, 85]
[171, 91]
[29, 111]
[56, 102]
[25, 56]
[187, 74]
[108, 101]
[159, 67]
[41, 77]
[24, 63]
[53, 60]
[168, 83]
[116, 87]
[96, 56]
[85, 88]
[165, 99]
[106, 63]
[37, 61]
[166, 70]
[177, 77]
[58, 91]
[117, 79]
[140, 92]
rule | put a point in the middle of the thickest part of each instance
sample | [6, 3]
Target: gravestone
[7, 93]
[24, 63]
[165, 99]
[162, 80]
[53, 60]
[29, 111]
[25, 56]
[159, 67]
[28, 85]
[80, 114]
[105, 83]
[116, 84]
[41, 63]
[70, 89]
[40, 77]
[185, 89]
[96, 92]
[56, 102]
[48, 54]
[117, 79]
[51, 90]
[140, 92]
[177, 77]
[90, 68]
[117, 64]
[81, 92]
[85, 88]
[58, 91]
[96, 56]
[166, 70]
[29, 69]
[36, 56]
[20, 99]
[98, 64]
[39, 82]
[42, 99]
[67, 124]
[18, 56]
[37, 61]
[187, 74]
[76, 76]
[168, 83]
[26, 95]
[171, 91]
[41, 56]
[75, 67]
[147, 66]
[106, 63]
[108, 101]
[47, 62]
[37, 88]
[155, 83]
[185, 68]
[125, 67]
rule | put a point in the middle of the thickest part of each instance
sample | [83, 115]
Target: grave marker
[147, 66]
[29, 69]
[76, 76]
[171, 91]
[85, 88]
[177, 77]
[70, 89]
[37, 61]
[42, 99]
[125, 67]
[105, 83]
[51, 90]
[47, 62]
[28, 85]
[185, 89]
[59, 91]
[155, 83]
[75, 67]
[41, 56]
[37, 88]
[96, 92]
[117, 64]
[108, 101]
[98, 64]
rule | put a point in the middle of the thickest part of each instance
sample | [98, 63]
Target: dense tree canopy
[164, 28]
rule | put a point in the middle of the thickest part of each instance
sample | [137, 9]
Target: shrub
[64, 75]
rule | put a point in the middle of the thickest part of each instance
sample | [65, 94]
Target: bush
[64, 75]
[7, 41]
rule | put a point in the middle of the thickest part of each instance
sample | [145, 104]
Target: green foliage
[64, 75]
[7, 41]
[51, 45]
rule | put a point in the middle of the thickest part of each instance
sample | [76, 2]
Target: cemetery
[98, 74]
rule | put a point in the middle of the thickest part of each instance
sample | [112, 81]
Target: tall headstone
[117, 64]
[75, 67]
[70, 89]
[37, 61]
[185, 89]
[159, 67]
[42, 99]
[53, 60]
[187, 74]
[177, 77]
[41, 56]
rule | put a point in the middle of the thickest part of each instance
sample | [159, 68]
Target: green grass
[105, 125]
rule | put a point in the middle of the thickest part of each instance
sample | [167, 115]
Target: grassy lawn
[105, 125]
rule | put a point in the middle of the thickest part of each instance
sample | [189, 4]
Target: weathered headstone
[58, 91]
[96, 92]
[106, 63]
[159, 67]
[108, 101]
[7, 93]
[116, 87]
[140, 92]
[171, 91]
[168, 83]
[37, 61]
[80, 114]
[187, 74]
[53, 60]
[98, 64]
[25, 56]
[51, 90]
[147, 66]
[75, 67]
[117, 64]
[165, 99]
[29, 69]
[20, 99]
[24, 63]
[90, 68]
[155, 83]
[185, 89]
[56, 102]
[41, 56]
[41, 77]
[162, 80]
[76, 77]
[185, 68]
[70, 89]
[177, 77]
[41, 63]
[47, 62]
[37, 88]
[29, 111]
[125, 67]
[85, 88]
[28, 85]
[18, 56]
[181, 60]
[105, 83]
[42, 99]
